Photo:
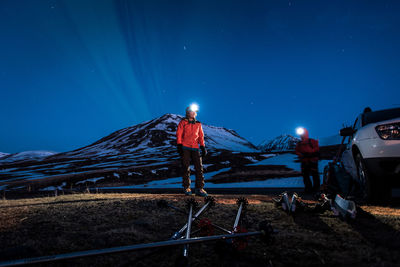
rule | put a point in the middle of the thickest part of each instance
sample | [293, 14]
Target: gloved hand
[203, 151]
[180, 150]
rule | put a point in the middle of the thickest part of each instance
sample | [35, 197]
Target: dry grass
[51, 225]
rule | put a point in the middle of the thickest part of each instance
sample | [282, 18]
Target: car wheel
[364, 178]
[372, 190]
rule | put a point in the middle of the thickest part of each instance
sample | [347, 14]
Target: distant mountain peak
[281, 143]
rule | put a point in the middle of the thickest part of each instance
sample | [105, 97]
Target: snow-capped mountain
[218, 138]
[2, 154]
[281, 143]
[158, 136]
[25, 156]
[146, 151]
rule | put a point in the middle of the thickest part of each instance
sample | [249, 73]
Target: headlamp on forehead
[194, 107]
[300, 131]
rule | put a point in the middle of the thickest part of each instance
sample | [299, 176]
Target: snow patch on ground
[94, 180]
[53, 188]
[251, 159]
[268, 155]
[205, 166]
[282, 159]
[137, 173]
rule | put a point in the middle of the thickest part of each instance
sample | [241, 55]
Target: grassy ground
[50, 225]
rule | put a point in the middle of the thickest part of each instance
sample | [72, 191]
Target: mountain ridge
[281, 143]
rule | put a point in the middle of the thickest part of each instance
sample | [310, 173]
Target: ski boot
[201, 192]
[187, 191]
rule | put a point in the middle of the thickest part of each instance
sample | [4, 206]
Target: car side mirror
[347, 131]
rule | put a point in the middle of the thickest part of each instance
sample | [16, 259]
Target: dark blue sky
[74, 71]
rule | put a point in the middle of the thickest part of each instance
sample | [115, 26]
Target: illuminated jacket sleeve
[201, 136]
[179, 133]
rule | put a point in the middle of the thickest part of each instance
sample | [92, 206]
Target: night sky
[72, 72]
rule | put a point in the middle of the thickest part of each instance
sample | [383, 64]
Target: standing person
[189, 136]
[308, 151]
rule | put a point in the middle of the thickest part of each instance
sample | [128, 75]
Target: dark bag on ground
[336, 179]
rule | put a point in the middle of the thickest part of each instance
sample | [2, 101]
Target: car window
[380, 115]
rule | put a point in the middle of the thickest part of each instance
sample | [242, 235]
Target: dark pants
[198, 166]
[307, 169]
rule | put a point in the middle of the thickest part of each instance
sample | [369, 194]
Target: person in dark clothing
[189, 136]
[308, 152]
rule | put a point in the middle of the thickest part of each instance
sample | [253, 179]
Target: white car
[372, 154]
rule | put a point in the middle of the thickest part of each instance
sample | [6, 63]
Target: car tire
[364, 178]
[371, 189]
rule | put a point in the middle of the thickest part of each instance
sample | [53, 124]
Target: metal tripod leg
[178, 234]
[188, 229]
[242, 202]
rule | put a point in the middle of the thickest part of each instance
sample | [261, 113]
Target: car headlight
[389, 131]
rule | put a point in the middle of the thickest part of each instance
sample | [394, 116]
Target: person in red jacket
[308, 151]
[189, 136]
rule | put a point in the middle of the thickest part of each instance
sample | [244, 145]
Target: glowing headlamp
[194, 107]
[300, 130]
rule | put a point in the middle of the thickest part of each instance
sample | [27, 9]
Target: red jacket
[308, 150]
[190, 134]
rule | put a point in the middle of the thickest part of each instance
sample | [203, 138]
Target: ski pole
[209, 202]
